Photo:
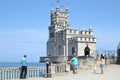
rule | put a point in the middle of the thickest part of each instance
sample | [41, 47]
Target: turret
[57, 7]
[52, 9]
[67, 9]
[59, 19]
[90, 26]
[90, 29]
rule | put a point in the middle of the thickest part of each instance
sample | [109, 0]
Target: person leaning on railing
[24, 63]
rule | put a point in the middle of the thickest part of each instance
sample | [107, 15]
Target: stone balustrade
[14, 73]
[58, 68]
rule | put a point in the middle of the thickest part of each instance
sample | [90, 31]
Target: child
[96, 66]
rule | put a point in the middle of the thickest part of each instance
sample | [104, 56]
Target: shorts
[74, 67]
[101, 65]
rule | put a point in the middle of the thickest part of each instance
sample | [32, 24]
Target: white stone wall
[92, 46]
[82, 46]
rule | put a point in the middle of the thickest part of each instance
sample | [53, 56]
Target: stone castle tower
[64, 41]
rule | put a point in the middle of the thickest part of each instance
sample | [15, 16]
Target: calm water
[17, 64]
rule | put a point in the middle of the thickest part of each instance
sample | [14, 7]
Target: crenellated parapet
[81, 32]
[82, 35]
[82, 39]
[86, 32]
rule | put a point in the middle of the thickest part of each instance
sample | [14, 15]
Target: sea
[17, 64]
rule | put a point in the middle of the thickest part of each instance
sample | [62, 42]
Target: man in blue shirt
[74, 61]
[24, 63]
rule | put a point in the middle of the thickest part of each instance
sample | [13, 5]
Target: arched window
[87, 51]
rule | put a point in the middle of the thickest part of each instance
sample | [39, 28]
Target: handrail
[14, 72]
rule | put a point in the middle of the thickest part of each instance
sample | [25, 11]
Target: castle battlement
[86, 32]
[76, 32]
[60, 13]
[81, 32]
[72, 31]
[85, 39]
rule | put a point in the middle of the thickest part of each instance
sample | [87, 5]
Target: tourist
[102, 63]
[24, 63]
[74, 62]
[48, 69]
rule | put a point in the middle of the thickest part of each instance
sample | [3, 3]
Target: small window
[73, 50]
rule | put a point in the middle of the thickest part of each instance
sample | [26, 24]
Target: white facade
[62, 40]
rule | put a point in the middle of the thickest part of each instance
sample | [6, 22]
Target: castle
[64, 42]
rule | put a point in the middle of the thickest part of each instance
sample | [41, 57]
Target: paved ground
[111, 72]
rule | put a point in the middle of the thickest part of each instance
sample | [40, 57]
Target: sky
[24, 25]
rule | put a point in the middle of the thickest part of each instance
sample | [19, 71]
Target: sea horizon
[17, 64]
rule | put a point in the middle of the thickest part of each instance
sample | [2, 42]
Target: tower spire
[52, 9]
[67, 7]
[57, 7]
